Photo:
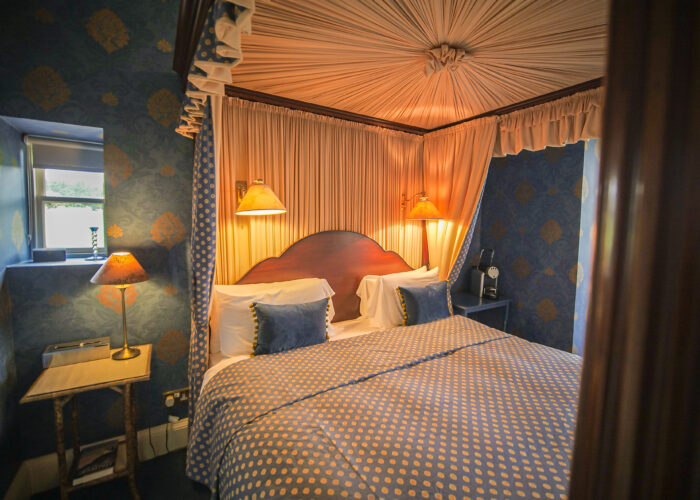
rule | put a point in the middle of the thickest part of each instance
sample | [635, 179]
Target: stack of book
[95, 462]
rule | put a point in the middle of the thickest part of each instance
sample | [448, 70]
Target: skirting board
[41, 473]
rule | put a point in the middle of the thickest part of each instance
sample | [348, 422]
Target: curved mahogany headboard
[341, 257]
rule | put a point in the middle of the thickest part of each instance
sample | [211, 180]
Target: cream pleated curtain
[564, 121]
[455, 163]
[329, 173]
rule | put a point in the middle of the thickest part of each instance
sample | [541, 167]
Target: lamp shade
[259, 199]
[424, 210]
[121, 268]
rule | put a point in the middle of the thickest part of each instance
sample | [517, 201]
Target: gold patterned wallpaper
[530, 216]
[105, 63]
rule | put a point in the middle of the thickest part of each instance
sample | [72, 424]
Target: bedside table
[465, 303]
[63, 383]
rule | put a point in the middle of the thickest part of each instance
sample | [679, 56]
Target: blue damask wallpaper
[13, 248]
[105, 63]
[589, 211]
[530, 215]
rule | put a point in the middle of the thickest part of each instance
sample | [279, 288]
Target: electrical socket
[176, 396]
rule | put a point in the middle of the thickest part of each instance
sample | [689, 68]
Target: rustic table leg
[74, 428]
[130, 432]
[61, 448]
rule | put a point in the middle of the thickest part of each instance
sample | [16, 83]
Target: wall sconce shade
[424, 210]
[259, 199]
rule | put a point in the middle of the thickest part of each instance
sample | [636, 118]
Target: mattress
[446, 409]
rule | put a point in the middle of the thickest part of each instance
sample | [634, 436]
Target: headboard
[341, 257]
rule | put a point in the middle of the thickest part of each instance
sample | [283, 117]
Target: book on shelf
[96, 461]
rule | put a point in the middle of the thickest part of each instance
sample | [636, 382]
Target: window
[66, 192]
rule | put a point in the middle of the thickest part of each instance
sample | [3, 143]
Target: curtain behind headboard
[329, 173]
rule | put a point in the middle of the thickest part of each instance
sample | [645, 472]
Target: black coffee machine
[484, 276]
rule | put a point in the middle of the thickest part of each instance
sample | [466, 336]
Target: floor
[160, 478]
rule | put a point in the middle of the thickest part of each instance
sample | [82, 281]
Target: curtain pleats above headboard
[329, 173]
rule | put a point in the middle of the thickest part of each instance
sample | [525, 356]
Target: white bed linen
[232, 327]
[382, 306]
[368, 288]
[341, 330]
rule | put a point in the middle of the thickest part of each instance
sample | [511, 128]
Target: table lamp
[121, 270]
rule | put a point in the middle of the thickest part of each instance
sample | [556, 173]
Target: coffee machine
[484, 276]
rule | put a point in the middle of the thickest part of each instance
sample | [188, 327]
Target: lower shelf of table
[120, 470]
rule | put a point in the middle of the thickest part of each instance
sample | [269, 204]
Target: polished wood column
[638, 434]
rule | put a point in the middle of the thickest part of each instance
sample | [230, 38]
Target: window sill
[69, 262]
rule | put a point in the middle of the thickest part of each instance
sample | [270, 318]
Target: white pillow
[368, 287]
[232, 327]
[384, 307]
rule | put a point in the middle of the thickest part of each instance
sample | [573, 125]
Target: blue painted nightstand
[465, 303]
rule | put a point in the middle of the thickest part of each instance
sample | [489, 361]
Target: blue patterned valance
[218, 51]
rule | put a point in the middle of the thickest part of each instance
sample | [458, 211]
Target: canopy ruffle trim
[564, 121]
[218, 51]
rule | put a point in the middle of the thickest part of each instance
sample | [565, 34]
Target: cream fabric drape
[329, 173]
[369, 57]
[564, 121]
[456, 161]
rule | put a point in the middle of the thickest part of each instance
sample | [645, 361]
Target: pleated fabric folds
[564, 121]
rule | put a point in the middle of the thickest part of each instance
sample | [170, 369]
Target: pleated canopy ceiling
[424, 63]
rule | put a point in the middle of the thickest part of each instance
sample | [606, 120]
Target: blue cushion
[425, 304]
[282, 327]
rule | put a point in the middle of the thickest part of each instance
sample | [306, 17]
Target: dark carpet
[160, 478]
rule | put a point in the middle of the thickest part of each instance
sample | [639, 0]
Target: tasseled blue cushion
[425, 304]
[282, 327]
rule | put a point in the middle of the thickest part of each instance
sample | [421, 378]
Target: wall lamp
[258, 199]
[423, 210]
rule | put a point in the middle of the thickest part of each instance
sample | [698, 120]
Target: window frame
[37, 198]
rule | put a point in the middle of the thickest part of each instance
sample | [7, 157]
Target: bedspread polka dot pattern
[448, 409]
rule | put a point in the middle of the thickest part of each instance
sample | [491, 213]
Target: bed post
[638, 432]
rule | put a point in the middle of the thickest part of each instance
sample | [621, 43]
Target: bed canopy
[420, 63]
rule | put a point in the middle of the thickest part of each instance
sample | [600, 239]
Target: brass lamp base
[126, 353]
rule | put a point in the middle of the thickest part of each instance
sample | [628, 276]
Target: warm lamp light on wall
[258, 199]
[121, 270]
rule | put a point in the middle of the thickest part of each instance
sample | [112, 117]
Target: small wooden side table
[465, 303]
[63, 383]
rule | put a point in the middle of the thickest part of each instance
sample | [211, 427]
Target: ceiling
[369, 56]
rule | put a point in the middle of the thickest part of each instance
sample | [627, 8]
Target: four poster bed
[345, 109]
[444, 409]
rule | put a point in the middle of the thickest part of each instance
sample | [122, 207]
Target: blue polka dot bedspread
[448, 409]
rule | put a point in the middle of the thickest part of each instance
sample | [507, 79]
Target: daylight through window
[66, 180]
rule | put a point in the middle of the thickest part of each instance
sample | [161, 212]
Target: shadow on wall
[13, 248]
